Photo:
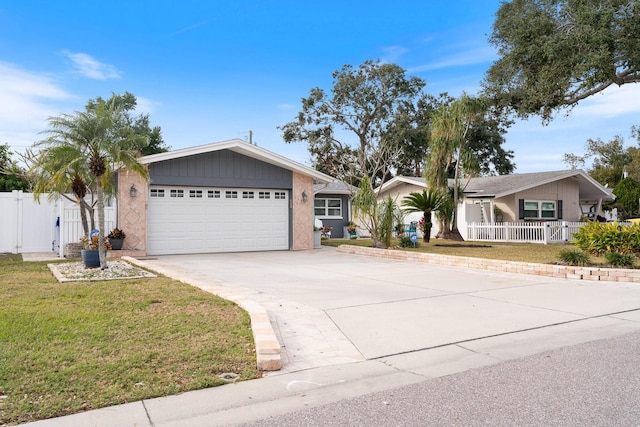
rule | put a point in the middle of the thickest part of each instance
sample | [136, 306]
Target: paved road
[593, 384]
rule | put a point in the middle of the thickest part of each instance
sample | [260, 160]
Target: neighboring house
[569, 195]
[229, 196]
[332, 205]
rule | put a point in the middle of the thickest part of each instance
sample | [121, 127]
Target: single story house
[568, 195]
[332, 206]
[229, 196]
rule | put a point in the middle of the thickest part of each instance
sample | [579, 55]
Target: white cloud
[472, 56]
[91, 68]
[393, 53]
[612, 102]
[28, 99]
[286, 106]
[146, 105]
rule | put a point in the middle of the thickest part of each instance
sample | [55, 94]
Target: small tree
[627, 194]
[425, 202]
[12, 177]
[101, 143]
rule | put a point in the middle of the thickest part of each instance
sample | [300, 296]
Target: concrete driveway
[328, 307]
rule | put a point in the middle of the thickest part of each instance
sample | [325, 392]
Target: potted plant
[116, 238]
[351, 230]
[90, 255]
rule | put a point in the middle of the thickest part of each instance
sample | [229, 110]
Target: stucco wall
[302, 212]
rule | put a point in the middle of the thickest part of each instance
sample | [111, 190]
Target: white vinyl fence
[29, 226]
[524, 232]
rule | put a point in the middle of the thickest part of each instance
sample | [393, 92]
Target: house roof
[399, 180]
[504, 185]
[334, 187]
[241, 147]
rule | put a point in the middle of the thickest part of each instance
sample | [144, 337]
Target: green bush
[574, 257]
[620, 260]
[405, 242]
[599, 238]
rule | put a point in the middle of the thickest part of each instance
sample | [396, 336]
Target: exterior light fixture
[304, 196]
[133, 191]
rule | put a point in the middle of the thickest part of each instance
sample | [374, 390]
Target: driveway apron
[329, 308]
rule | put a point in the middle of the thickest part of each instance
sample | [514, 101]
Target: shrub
[574, 257]
[620, 260]
[405, 242]
[599, 238]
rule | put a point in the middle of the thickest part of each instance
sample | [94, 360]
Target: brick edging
[549, 270]
[267, 346]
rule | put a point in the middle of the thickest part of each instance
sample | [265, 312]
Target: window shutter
[559, 209]
[521, 208]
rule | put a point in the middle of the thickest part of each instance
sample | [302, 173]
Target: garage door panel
[218, 224]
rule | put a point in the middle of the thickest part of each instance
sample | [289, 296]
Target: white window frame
[539, 210]
[328, 214]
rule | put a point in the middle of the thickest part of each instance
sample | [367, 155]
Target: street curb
[267, 346]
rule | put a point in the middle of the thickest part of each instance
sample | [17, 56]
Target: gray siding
[337, 224]
[220, 169]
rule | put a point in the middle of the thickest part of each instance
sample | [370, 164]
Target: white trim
[539, 210]
[395, 181]
[327, 208]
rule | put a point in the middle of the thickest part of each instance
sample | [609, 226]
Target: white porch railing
[524, 232]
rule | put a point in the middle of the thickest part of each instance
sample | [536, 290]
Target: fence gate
[29, 226]
[26, 225]
[71, 224]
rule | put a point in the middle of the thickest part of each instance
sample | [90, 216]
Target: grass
[544, 254]
[76, 346]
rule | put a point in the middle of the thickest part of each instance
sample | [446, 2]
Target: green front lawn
[525, 252]
[71, 347]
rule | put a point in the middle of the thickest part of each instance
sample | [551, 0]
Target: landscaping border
[548, 270]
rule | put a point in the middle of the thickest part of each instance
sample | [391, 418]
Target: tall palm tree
[449, 148]
[102, 145]
[425, 202]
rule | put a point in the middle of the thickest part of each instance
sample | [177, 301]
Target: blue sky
[210, 71]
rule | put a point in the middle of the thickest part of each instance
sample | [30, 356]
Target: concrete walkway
[350, 325]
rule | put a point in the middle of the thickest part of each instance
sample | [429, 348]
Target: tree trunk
[101, 248]
[455, 233]
[83, 217]
[427, 235]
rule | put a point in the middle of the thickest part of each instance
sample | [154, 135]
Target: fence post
[547, 233]
[19, 221]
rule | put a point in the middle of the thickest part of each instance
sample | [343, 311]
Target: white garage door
[183, 220]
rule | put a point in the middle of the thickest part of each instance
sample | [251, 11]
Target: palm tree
[59, 171]
[449, 148]
[425, 202]
[101, 145]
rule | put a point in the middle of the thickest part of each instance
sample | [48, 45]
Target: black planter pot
[90, 258]
[116, 244]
